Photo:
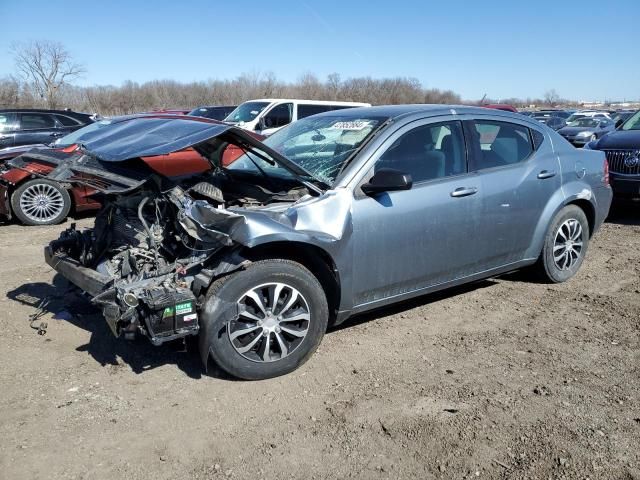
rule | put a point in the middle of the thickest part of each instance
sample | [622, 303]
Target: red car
[35, 200]
[501, 106]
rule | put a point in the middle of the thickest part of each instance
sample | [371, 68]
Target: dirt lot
[502, 379]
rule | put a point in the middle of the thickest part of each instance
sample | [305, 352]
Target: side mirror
[387, 180]
[619, 123]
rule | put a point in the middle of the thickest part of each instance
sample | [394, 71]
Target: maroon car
[35, 200]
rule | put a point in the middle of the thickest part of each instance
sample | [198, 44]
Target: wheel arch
[317, 260]
[589, 210]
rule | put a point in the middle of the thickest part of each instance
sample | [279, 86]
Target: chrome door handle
[464, 192]
[546, 174]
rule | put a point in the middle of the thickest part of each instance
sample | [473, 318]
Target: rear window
[67, 121]
[306, 110]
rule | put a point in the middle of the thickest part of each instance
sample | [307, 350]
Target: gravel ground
[504, 378]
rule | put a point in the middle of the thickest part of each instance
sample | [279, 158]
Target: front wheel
[41, 202]
[565, 245]
[264, 321]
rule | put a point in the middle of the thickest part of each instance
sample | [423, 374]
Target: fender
[568, 193]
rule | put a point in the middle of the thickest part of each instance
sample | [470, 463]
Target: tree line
[46, 71]
[133, 97]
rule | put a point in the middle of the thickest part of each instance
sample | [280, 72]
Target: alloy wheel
[567, 247]
[273, 320]
[41, 202]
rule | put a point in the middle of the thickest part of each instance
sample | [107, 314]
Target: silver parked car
[588, 129]
[336, 214]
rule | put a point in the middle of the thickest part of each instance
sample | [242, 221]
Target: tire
[41, 202]
[570, 223]
[236, 332]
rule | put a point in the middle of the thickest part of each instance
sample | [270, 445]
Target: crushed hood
[111, 156]
[148, 137]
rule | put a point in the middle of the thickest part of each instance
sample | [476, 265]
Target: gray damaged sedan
[334, 215]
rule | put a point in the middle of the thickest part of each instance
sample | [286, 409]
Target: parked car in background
[501, 106]
[584, 130]
[336, 214]
[167, 111]
[215, 112]
[621, 116]
[551, 121]
[268, 115]
[35, 200]
[622, 148]
[31, 126]
[552, 112]
[587, 114]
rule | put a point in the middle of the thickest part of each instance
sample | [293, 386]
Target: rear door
[36, 127]
[8, 127]
[518, 172]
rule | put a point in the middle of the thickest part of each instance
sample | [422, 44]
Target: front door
[408, 240]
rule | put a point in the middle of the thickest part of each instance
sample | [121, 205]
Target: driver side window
[427, 152]
[279, 116]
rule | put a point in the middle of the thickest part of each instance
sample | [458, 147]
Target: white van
[268, 115]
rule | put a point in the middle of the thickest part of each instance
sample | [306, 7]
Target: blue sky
[586, 50]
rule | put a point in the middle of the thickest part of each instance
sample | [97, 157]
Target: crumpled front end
[151, 254]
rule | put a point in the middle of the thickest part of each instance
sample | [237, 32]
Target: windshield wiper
[298, 175]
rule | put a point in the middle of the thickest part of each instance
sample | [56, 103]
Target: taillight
[605, 167]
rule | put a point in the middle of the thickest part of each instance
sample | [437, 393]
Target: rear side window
[538, 138]
[67, 121]
[7, 122]
[279, 116]
[498, 144]
[34, 121]
[308, 110]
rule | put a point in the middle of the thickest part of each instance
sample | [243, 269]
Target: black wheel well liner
[589, 210]
[314, 258]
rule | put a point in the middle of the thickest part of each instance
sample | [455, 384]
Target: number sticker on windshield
[352, 125]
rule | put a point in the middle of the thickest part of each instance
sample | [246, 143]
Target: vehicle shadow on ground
[407, 305]
[624, 212]
[66, 303]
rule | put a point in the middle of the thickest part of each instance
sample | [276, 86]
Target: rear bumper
[625, 185]
[84, 278]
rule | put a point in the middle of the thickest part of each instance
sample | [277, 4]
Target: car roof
[42, 110]
[400, 111]
[299, 100]
[214, 106]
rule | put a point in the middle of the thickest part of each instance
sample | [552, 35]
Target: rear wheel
[40, 202]
[565, 245]
[264, 321]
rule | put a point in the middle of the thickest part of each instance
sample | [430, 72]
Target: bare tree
[47, 67]
[551, 97]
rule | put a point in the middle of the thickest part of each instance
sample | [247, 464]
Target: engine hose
[152, 242]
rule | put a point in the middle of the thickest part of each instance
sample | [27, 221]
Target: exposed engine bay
[154, 250]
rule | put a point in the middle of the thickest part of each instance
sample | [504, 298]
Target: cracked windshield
[319, 145]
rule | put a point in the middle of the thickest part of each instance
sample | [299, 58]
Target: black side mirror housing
[619, 123]
[387, 180]
[261, 125]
